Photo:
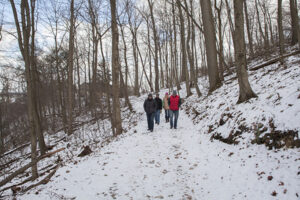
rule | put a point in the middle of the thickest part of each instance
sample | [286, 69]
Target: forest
[74, 75]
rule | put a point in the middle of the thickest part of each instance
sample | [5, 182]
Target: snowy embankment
[188, 163]
[272, 119]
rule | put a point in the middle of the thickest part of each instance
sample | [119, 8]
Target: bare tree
[210, 43]
[280, 30]
[295, 22]
[115, 69]
[246, 92]
[155, 38]
[70, 68]
[134, 24]
[250, 39]
[24, 36]
[183, 51]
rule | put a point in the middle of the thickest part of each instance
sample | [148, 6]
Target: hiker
[158, 109]
[150, 108]
[166, 107]
[174, 104]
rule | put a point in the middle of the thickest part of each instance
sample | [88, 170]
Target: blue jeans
[157, 116]
[167, 114]
[174, 114]
[150, 120]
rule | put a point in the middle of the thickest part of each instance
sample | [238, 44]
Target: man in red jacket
[174, 104]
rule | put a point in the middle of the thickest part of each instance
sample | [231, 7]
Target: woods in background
[101, 51]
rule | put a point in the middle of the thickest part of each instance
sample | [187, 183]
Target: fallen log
[48, 168]
[43, 181]
[275, 60]
[22, 169]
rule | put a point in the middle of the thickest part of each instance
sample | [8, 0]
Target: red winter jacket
[174, 102]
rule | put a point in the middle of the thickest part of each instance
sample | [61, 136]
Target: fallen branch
[8, 163]
[270, 62]
[29, 179]
[43, 181]
[16, 149]
[22, 169]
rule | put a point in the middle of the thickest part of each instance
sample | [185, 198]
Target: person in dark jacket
[174, 104]
[158, 109]
[150, 107]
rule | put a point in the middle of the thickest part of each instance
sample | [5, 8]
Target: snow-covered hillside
[212, 155]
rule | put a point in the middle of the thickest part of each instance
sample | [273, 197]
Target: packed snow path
[174, 164]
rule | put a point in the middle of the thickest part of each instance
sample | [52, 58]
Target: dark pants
[167, 114]
[174, 114]
[157, 116]
[150, 120]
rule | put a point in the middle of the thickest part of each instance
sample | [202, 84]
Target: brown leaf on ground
[274, 193]
[270, 178]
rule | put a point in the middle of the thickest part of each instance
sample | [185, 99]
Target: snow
[186, 163]
[174, 164]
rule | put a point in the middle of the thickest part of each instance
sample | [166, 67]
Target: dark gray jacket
[150, 105]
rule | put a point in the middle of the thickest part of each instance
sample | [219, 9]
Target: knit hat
[149, 95]
[174, 92]
[167, 93]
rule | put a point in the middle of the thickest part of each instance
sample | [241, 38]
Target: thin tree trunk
[190, 49]
[124, 86]
[34, 75]
[115, 69]
[280, 31]
[155, 46]
[220, 55]
[176, 77]
[25, 48]
[183, 51]
[248, 30]
[295, 22]
[136, 65]
[240, 54]
[70, 70]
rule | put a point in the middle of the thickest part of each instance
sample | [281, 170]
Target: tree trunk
[240, 54]
[295, 22]
[220, 55]
[35, 89]
[78, 78]
[183, 51]
[280, 30]
[210, 43]
[124, 86]
[25, 48]
[155, 46]
[175, 69]
[248, 31]
[70, 70]
[115, 62]
[136, 65]
[190, 49]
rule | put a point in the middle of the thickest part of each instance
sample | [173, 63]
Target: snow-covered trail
[173, 164]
